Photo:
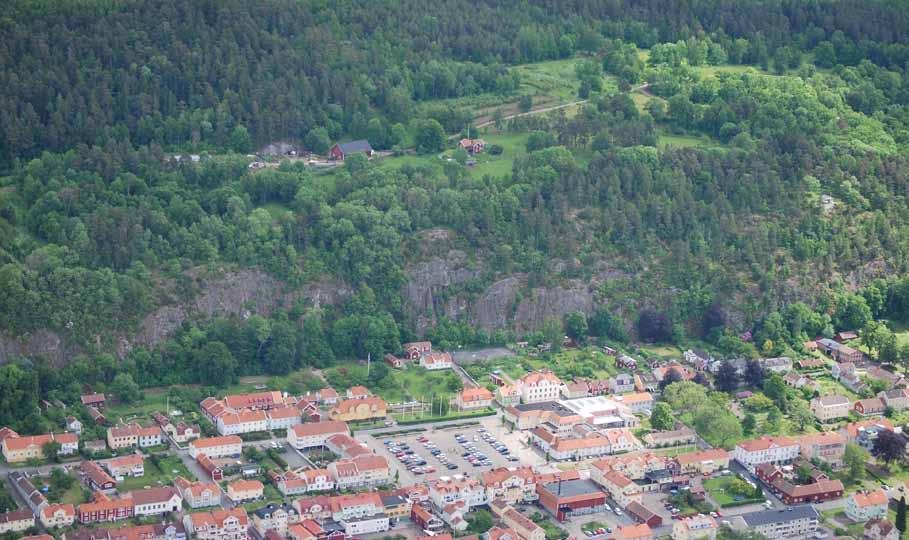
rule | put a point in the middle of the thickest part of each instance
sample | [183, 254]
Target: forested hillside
[786, 217]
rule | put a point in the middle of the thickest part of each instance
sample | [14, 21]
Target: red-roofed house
[865, 505]
[474, 398]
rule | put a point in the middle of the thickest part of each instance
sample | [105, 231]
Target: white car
[608, 508]
[618, 512]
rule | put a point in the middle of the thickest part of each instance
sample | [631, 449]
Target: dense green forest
[95, 216]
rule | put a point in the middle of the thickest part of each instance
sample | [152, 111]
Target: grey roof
[272, 508]
[792, 513]
[571, 488]
[353, 147]
[551, 406]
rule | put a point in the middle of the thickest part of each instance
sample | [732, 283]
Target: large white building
[540, 386]
[315, 434]
[448, 490]
[216, 447]
[793, 522]
[765, 450]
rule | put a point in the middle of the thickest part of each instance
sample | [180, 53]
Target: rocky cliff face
[435, 289]
[230, 293]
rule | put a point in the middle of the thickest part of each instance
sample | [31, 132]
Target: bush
[496, 150]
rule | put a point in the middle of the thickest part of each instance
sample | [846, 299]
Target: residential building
[217, 524]
[815, 491]
[880, 374]
[212, 469]
[216, 447]
[576, 389]
[276, 517]
[704, 461]
[510, 484]
[16, 521]
[131, 465]
[622, 383]
[244, 421]
[134, 435]
[17, 449]
[198, 494]
[830, 408]
[472, 146]
[283, 418]
[341, 151]
[359, 410]
[305, 481]
[396, 505]
[838, 351]
[865, 505]
[677, 437]
[507, 395]
[525, 528]
[436, 360]
[157, 501]
[314, 434]
[780, 364]
[240, 491]
[794, 522]
[446, 491]
[695, 527]
[104, 508]
[540, 386]
[97, 479]
[414, 350]
[881, 529]
[897, 398]
[57, 515]
[765, 450]
[641, 531]
[638, 402]
[826, 446]
[588, 445]
[366, 524]
[864, 432]
[869, 407]
[73, 424]
[622, 489]
[182, 433]
[93, 400]
[368, 470]
[474, 398]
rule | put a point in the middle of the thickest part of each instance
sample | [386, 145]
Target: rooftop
[792, 513]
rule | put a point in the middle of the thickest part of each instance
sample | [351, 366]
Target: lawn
[154, 399]
[675, 450]
[832, 387]
[665, 140]
[554, 78]
[719, 489]
[662, 351]
[271, 495]
[398, 386]
[157, 475]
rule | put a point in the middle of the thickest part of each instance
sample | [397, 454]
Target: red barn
[339, 152]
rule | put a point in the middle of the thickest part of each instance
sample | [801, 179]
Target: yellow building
[19, 449]
[354, 410]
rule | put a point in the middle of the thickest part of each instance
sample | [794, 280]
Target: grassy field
[407, 384]
[675, 450]
[555, 78]
[666, 140]
[156, 476]
[719, 492]
[154, 399]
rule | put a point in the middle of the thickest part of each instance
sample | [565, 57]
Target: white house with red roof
[765, 450]
[865, 505]
[315, 434]
[540, 386]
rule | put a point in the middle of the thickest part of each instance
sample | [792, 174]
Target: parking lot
[447, 451]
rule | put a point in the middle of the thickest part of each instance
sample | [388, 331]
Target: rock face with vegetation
[725, 167]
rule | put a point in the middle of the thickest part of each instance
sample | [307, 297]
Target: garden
[159, 471]
[729, 491]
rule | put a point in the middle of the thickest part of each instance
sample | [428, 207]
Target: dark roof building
[341, 151]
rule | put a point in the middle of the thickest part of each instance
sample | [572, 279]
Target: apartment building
[134, 435]
[217, 524]
[217, 447]
[18, 449]
[315, 434]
